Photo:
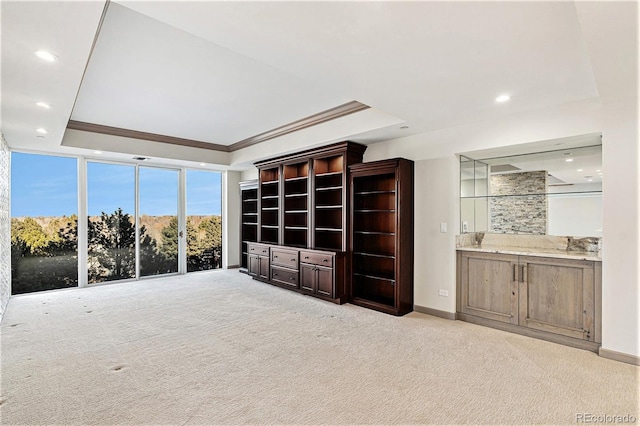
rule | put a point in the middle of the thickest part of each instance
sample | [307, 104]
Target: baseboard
[619, 356]
[529, 332]
[435, 312]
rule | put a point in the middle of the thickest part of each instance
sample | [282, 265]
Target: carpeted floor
[220, 348]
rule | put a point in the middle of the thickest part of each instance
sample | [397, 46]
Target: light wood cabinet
[489, 288]
[558, 296]
[551, 298]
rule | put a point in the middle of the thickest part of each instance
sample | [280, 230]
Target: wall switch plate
[443, 226]
[444, 293]
[465, 226]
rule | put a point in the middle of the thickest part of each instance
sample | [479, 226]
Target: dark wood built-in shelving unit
[303, 213]
[330, 226]
[382, 240]
[248, 219]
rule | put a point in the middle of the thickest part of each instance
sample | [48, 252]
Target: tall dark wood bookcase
[248, 219]
[382, 235]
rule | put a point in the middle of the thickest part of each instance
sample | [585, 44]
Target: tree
[112, 243]
[28, 234]
[210, 242]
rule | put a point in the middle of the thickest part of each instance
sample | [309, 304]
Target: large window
[134, 221]
[159, 233]
[204, 220]
[44, 222]
[111, 224]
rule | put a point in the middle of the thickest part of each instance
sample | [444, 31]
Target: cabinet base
[338, 301]
[549, 337]
[387, 309]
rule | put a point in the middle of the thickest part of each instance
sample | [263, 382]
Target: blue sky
[44, 185]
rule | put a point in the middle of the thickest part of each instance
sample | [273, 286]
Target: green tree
[29, 234]
[112, 242]
[210, 242]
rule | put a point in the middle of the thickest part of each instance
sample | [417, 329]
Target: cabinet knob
[275, 257]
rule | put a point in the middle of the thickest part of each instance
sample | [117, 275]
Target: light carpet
[220, 348]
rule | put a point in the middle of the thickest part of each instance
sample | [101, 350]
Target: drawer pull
[293, 260]
[291, 279]
[306, 257]
[275, 256]
[275, 275]
[325, 260]
[252, 249]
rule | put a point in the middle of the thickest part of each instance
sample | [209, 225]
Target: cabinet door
[488, 286]
[557, 296]
[307, 277]
[264, 267]
[254, 265]
[324, 281]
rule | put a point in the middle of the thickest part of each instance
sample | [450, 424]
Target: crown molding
[312, 120]
[126, 133]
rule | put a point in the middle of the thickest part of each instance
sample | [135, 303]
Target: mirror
[546, 192]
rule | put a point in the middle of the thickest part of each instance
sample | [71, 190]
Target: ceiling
[218, 73]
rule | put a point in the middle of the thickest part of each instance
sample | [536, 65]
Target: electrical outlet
[443, 227]
[444, 293]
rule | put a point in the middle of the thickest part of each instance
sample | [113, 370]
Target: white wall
[435, 269]
[5, 227]
[621, 237]
[230, 219]
[435, 253]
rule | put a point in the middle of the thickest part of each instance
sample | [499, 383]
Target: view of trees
[44, 251]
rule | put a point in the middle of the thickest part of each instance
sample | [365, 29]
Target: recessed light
[589, 180]
[203, 164]
[598, 170]
[43, 105]
[579, 170]
[568, 160]
[46, 56]
[40, 136]
[42, 131]
[97, 152]
[404, 127]
[503, 98]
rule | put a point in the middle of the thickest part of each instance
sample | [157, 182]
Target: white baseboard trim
[435, 312]
[619, 356]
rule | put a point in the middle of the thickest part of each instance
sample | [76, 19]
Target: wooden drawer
[259, 249]
[284, 276]
[286, 258]
[316, 258]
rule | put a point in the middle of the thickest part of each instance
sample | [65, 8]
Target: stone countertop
[531, 251]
